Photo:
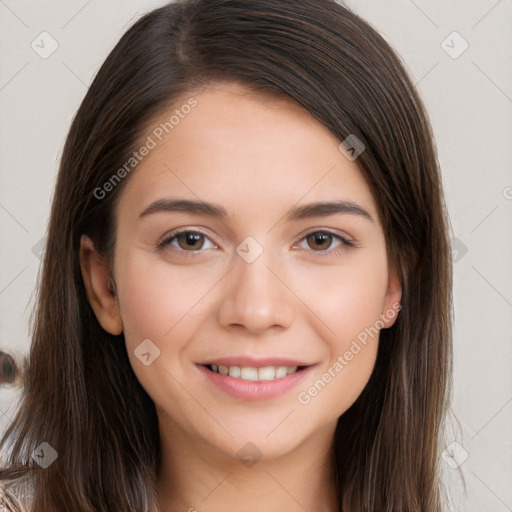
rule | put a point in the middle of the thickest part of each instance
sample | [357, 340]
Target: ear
[391, 305]
[99, 287]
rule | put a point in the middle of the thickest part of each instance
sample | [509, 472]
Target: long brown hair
[81, 395]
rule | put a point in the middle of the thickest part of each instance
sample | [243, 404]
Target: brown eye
[325, 242]
[319, 241]
[187, 241]
[190, 241]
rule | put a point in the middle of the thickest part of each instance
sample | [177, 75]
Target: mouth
[253, 373]
[254, 379]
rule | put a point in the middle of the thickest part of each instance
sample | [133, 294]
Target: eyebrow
[319, 209]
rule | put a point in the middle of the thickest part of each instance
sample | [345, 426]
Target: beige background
[468, 93]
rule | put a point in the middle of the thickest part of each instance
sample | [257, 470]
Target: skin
[256, 157]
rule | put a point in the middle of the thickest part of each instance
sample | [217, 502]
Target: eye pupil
[319, 241]
[190, 241]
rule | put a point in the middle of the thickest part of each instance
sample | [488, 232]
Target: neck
[195, 477]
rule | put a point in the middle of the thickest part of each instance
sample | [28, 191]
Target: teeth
[266, 373]
[234, 371]
[281, 372]
[247, 373]
[254, 374]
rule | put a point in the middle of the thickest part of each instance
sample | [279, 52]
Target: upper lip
[261, 362]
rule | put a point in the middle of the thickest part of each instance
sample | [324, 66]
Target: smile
[251, 373]
[250, 379]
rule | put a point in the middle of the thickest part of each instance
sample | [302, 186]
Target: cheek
[352, 351]
[346, 299]
[160, 304]
[156, 297]
[347, 313]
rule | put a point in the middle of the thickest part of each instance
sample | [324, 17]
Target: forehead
[245, 148]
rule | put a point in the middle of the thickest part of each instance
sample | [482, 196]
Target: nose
[255, 299]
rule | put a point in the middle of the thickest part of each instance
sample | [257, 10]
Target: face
[249, 245]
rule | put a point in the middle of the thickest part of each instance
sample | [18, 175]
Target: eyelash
[346, 243]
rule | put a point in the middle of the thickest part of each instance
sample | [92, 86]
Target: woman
[245, 299]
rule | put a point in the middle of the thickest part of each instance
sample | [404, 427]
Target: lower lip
[254, 390]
